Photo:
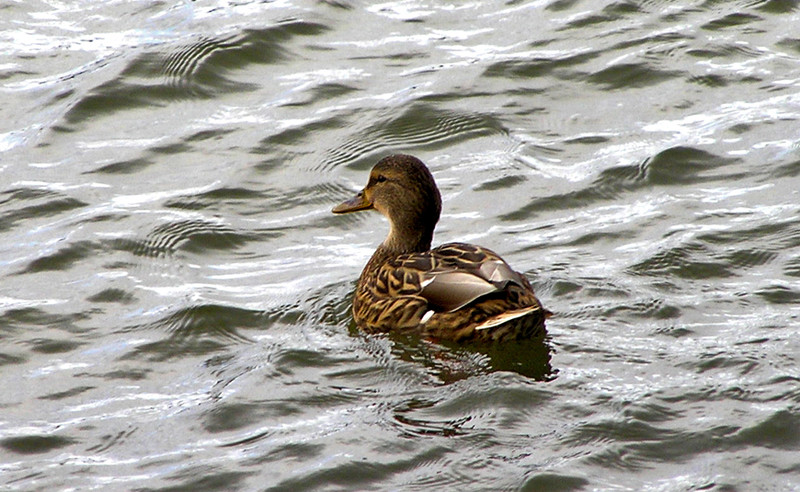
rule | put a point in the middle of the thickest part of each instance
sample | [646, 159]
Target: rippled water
[175, 292]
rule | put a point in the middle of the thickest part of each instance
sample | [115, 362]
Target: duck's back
[455, 292]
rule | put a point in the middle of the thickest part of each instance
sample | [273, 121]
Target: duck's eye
[380, 178]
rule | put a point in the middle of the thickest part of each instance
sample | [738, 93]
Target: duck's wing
[449, 291]
[454, 275]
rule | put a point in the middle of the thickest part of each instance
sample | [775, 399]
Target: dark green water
[174, 303]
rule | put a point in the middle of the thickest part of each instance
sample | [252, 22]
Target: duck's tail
[508, 316]
[523, 323]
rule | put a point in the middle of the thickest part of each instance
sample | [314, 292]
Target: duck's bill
[358, 202]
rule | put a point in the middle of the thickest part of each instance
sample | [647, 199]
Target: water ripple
[38, 203]
[419, 127]
[62, 259]
[195, 71]
[192, 235]
[35, 444]
[730, 20]
[199, 330]
[631, 75]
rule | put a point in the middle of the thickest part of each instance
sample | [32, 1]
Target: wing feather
[452, 290]
[463, 273]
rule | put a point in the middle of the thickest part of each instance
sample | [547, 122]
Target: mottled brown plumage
[456, 291]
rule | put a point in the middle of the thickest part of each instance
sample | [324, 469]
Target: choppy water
[175, 292]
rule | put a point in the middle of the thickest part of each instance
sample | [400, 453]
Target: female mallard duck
[454, 292]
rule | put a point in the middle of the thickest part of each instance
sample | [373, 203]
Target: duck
[457, 291]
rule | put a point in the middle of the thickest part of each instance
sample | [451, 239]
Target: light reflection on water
[175, 304]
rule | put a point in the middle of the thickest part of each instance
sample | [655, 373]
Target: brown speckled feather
[456, 291]
[391, 297]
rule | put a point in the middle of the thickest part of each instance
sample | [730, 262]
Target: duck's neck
[408, 237]
[400, 241]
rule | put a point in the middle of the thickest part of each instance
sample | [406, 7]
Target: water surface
[174, 305]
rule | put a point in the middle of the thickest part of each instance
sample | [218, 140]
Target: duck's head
[401, 188]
